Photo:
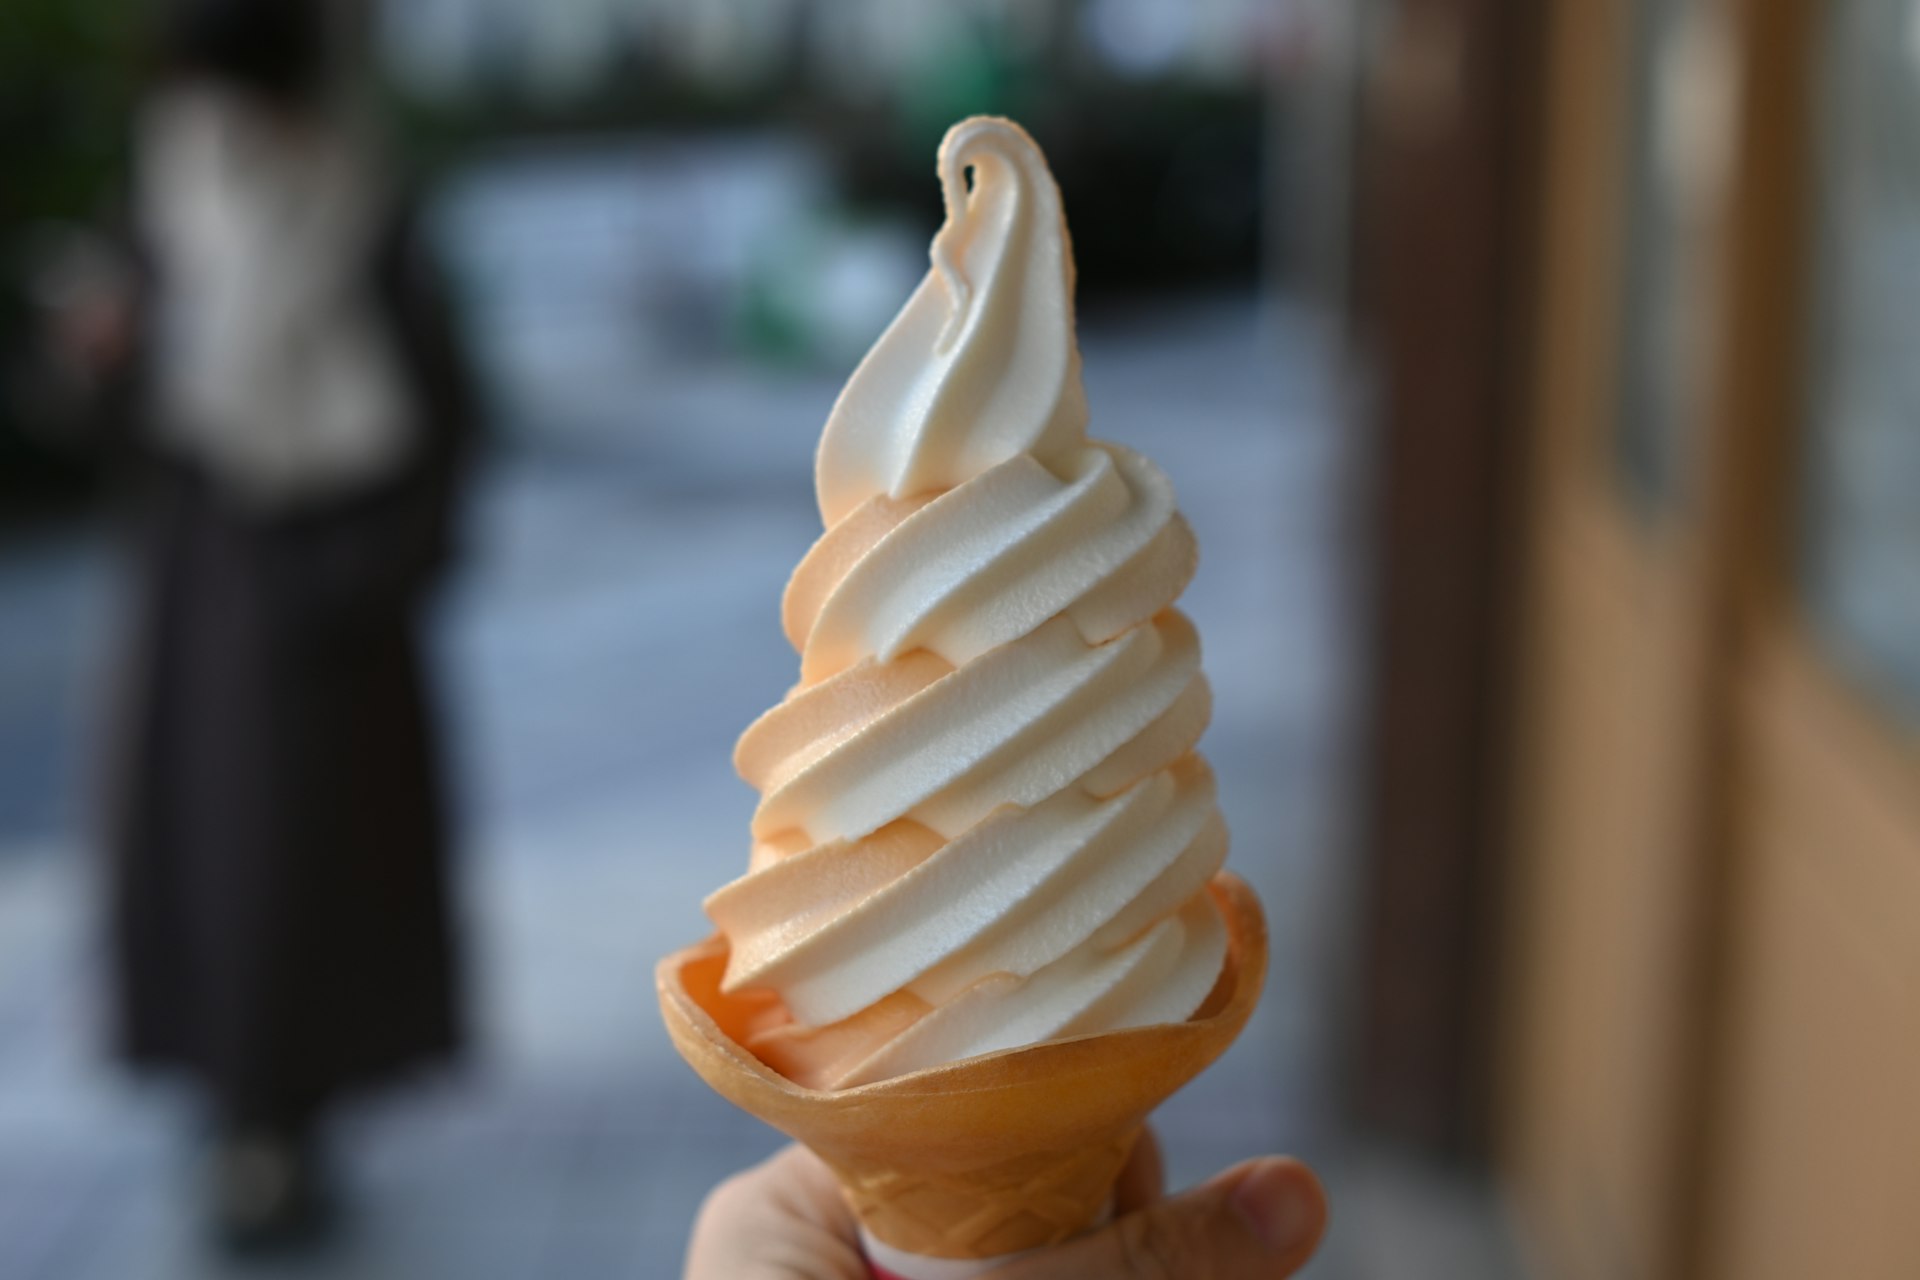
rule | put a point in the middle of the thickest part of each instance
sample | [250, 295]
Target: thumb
[1259, 1220]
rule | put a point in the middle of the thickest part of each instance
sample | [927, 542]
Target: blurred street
[616, 628]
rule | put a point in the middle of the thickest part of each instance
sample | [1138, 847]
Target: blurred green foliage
[66, 82]
[66, 78]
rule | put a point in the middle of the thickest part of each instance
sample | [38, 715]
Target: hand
[785, 1220]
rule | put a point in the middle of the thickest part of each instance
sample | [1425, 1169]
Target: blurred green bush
[67, 71]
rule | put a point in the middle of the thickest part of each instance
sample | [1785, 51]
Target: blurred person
[785, 1219]
[295, 417]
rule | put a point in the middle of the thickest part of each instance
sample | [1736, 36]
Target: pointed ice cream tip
[981, 364]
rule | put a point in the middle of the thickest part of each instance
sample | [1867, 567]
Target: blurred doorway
[1695, 697]
[1716, 781]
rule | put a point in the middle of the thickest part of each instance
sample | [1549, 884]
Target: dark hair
[275, 49]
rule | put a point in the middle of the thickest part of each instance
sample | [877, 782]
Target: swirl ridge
[982, 820]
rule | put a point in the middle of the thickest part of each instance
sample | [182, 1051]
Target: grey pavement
[615, 629]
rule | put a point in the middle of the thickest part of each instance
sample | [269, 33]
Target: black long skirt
[280, 913]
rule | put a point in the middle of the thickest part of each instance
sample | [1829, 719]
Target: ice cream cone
[987, 1156]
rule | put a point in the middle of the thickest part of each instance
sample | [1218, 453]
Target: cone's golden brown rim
[1054, 1093]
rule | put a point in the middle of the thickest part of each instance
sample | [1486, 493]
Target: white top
[273, 368]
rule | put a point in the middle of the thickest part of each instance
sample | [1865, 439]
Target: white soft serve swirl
[982, 821]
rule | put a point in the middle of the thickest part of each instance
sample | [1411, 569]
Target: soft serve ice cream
[982, 820]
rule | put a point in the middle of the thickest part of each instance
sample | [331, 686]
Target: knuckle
[726, 1196]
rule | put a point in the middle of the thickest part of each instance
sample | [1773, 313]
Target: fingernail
[1278, 1205]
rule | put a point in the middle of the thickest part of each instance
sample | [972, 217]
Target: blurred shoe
[268, 1192]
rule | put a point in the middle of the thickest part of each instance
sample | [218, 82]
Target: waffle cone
[990, 1155]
